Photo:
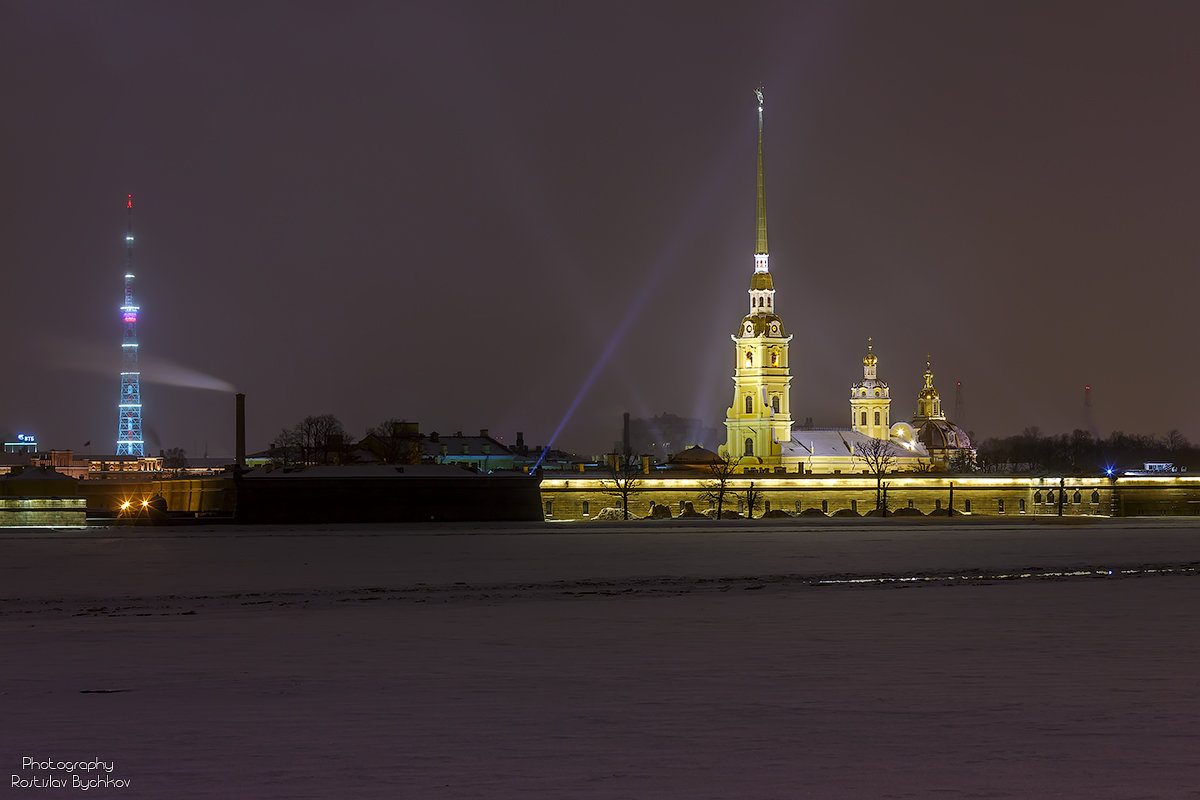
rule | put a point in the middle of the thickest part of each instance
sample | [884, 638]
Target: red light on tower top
[130, 202]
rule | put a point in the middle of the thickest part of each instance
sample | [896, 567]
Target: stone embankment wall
[583, 497]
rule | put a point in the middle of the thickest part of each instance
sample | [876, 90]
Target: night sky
[460, 213]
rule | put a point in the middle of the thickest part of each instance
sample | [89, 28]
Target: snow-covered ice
[699, 660]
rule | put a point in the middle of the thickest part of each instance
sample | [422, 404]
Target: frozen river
[722, 660]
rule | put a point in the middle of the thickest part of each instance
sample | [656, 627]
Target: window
[1076, 498]
[1037, 498]
[1000, 506]
[877, 393]
[876, 417]
[910, 505]
[749, 358]
[937, 505]
[749, 405]
[1095, 497]
[825, 506]
[1021, 503]
[739, 506]
[585, 508]
[774, 358]
[797, 506]
[775, 404]
[967, 506]
[766, 506]
[549, 508]
[864, 418]
[854, 505]
[749, 447]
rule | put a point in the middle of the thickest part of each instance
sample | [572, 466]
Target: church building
[759, 431]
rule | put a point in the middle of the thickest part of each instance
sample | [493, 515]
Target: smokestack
[625, 437]
[239, 400]
[1088, 415]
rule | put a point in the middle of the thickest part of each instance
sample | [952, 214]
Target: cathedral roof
[840, 442]
[941, 434]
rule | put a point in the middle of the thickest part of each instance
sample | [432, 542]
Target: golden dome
[869, 360]
[928, 392]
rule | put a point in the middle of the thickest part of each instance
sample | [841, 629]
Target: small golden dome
[869, 360]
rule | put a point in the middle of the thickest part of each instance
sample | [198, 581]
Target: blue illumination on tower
[129, 408]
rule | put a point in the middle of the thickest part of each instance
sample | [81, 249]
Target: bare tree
[174, 459]
[880, 458]
[717, 486]
[625, 470]
[395, 441]
[313, 440]
[753, 499]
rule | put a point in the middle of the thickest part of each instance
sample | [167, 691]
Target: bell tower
[759, 422]
[929, 402]
[869, 401]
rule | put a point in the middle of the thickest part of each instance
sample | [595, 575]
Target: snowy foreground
[645, 660]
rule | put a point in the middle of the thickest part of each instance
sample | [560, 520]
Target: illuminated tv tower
[129, 417]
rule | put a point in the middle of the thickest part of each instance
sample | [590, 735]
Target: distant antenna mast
[960, 406]
[129, 407]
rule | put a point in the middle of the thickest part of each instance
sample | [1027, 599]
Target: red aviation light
[130, 205]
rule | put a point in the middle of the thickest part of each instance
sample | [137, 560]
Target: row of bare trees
[878, 455]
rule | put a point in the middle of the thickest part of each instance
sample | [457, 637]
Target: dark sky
[451, 212]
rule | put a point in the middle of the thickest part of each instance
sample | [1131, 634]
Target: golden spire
[869, 360]
[760, 239]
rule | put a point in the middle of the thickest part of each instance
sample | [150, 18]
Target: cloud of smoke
[90, 357]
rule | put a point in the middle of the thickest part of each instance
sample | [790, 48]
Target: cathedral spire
[929, 402]
[760, 232]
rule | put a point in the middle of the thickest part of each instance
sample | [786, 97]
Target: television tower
[129, 416]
